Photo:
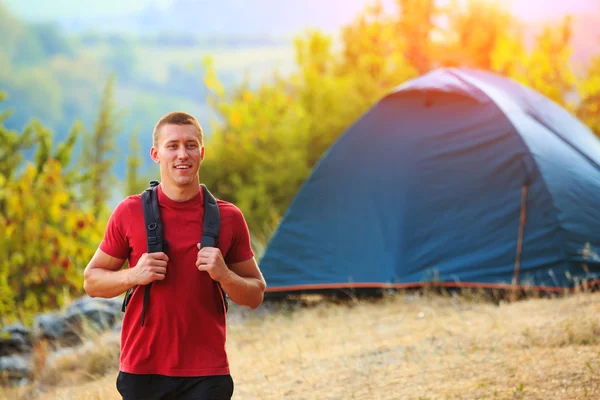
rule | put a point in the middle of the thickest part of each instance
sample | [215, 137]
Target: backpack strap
[210, 232]
[154, 235]
[212, 220]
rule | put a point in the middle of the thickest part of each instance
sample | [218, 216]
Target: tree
[416, 26]
[373, 55]
[136, 179]
[481, 35]
[588, 109]
[255, 156]
[12, 145]
[47, 236]
[548, 67]
[98, 156]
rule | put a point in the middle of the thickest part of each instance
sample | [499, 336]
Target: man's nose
[182, 152]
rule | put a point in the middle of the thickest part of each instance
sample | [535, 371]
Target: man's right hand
[150, 267]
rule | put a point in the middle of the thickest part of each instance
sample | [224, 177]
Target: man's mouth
[182, 167]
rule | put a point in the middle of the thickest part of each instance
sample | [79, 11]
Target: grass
[404, 346]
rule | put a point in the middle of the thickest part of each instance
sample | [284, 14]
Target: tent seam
[506, 114]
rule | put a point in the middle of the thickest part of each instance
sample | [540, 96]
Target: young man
[179, 351]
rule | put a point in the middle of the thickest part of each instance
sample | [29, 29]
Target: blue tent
[459, 177]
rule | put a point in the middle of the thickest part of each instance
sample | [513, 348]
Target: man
[179, 351]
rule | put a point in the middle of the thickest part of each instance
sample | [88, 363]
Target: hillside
[402, 347]
[227, 17]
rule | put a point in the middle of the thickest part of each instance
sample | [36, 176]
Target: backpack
[157, 243]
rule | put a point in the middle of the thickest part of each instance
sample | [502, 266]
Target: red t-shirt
[185, 323]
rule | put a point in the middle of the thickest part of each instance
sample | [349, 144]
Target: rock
[49, 326]
[62, 330]
[99, 314]
[15, 339]
[115, 303]
[66, 329]
[15, 369]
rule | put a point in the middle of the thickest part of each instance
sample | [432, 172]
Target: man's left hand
[211, 260]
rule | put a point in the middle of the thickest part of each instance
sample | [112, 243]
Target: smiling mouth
[183, 167]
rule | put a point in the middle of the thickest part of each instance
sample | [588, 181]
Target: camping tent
[459, 176]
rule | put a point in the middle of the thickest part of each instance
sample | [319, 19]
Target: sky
[542, 9]
[41, 10]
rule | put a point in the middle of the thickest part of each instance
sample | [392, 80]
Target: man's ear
[202, 154]
[154, 154]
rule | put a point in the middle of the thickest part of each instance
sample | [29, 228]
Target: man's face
[179, 154]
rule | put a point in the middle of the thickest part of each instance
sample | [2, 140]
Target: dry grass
[400, 347]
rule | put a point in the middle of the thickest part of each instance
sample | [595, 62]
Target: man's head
[176, 118]
[178, 148]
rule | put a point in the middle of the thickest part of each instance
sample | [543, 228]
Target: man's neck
[178, 193]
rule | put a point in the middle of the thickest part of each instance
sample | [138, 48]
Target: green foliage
[256, 158]
[12, 145]
[588, 109]
[47, 237]
[549, 68]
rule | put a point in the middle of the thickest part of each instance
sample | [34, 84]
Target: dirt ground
[404, 346]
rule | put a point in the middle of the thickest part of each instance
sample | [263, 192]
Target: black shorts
[160, 387]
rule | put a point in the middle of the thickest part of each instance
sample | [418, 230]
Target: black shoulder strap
[210, 232]
[212, 220]
[154, 235]
[154, 232]
[154, 227]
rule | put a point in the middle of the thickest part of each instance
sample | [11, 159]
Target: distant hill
[265, 21]
[203, 17]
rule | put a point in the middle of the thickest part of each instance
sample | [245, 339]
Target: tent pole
[522, 221]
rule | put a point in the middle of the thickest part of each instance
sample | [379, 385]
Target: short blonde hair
[177, 118]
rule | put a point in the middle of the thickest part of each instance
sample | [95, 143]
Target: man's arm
[103, 276]
[243, 282]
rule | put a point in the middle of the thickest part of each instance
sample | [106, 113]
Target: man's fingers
[209, 253]
[203, 265]
[203, 257]
[159, 256]
[159, 277]
[159, 270]
[209, 250]
[158, 273]
[157, 263]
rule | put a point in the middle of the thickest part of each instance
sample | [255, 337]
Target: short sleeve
[115, 242]
[241, 247]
